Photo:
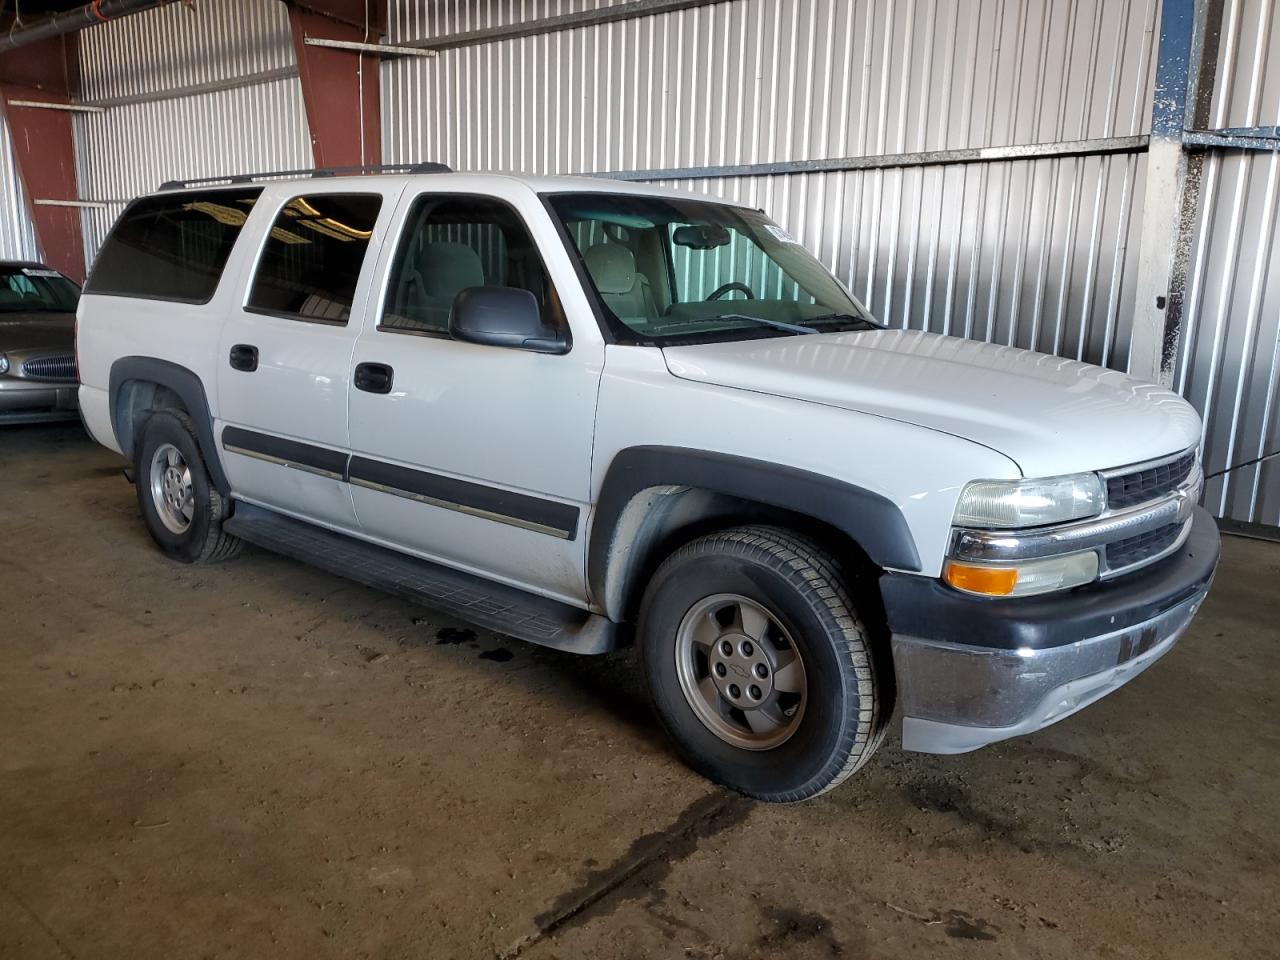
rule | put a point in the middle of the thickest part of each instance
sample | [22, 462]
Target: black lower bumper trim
[927, 608]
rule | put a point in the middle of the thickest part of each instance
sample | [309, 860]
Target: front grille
[62, 367]
[1125, 553]
[1131, 489]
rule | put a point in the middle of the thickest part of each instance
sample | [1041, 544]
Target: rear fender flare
[189, 389]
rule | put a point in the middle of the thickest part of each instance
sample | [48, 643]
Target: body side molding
[322, 461]
[189, 389]
[873, 521]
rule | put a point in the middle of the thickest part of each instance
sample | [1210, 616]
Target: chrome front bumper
[959, 698]
[973, 671]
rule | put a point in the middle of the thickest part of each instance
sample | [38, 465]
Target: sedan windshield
[28, 289]
[667, 270]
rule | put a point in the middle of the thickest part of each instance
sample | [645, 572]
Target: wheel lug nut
[748, 648]
[734, 691]
[761, 671]
[726, 648]
[755, 692]
[720, 670]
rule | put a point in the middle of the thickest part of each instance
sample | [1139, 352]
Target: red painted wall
[331, 82]
[42, 144]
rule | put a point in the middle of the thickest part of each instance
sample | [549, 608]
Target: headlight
[1030, 503]
[4, 364]
[1024, 578]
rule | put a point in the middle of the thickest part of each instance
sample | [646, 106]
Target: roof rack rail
[233, 178]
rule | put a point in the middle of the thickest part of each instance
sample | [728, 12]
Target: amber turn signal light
[992, 581]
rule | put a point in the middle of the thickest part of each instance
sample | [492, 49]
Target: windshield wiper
[848, 317]
[746, 318]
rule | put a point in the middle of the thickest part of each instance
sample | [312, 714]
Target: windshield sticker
[780, 234]
[40, 273]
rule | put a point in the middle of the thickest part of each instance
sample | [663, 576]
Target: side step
[493, 606]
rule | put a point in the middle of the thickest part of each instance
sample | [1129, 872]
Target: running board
[493, 606]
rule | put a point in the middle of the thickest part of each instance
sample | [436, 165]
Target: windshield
[36, 290]
[668, 270]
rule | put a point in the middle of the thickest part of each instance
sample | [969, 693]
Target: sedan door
[475, 456]
[285, 355]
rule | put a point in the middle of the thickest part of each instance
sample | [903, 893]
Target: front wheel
[759, 666]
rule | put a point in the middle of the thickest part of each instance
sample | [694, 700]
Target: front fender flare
[873, 521]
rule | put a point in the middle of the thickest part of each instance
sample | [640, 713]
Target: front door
[284, 362]
[476, 456]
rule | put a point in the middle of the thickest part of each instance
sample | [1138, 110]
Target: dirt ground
[259, 760]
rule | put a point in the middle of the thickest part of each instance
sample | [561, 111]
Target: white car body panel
[918, 469]
[907, 415]
[1049, 414]
[299, 390]
[95, 410]
[571, 475]
[506, 419]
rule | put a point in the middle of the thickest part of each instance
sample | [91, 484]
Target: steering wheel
[729, 287]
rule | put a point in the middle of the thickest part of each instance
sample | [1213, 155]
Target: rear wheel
[179, 503]
[759, 666]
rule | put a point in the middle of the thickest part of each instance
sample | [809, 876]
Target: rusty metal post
[340, 87]
[44, 152]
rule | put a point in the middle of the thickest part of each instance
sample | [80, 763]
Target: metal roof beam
[568, 21]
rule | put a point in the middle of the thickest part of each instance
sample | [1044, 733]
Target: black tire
[803, 588]
[204, 540]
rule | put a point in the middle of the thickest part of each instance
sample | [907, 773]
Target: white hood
[1048, 414]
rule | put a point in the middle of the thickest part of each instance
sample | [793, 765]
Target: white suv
[579, 411]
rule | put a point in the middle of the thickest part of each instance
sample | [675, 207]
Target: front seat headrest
[612, 267]
[447, 268]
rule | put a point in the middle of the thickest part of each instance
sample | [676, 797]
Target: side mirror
[503, 317]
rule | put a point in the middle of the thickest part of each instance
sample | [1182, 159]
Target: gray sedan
[38, 378]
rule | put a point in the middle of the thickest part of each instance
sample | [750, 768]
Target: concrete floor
[258, 760]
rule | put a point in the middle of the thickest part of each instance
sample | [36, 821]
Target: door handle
[244, 357]
[374, 377]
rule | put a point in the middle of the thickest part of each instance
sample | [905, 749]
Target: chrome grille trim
[1141, 483]
[1110, 527]
[59, 367]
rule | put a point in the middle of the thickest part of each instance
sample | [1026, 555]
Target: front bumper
[28, 401]
[973, 671]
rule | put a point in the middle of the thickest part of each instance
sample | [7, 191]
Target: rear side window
[172, 247]
[312, 258]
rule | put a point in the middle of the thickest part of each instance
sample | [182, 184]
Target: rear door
[284, 362]
[476, 456]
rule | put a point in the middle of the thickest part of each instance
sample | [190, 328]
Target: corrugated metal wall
[134, 146]
[178, 46]
[1036, 252]
[17, 236]
[1230, 350]
[1030, 252]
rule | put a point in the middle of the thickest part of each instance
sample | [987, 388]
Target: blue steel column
[1185, 68]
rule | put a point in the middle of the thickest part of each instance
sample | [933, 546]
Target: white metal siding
[1230, 350]
[132, 148]
[17, 236]
[753, 81]
[1034, 253]
[177, 46]
[1029, 253]
[1247, 88]
[437, 18]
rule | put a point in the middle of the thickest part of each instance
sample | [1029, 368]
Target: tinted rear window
[172, 247]
[312, 258]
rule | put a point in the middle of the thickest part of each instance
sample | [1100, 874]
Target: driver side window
[450, 244]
